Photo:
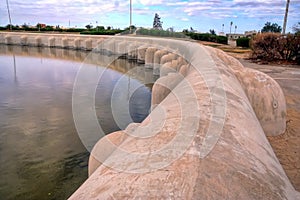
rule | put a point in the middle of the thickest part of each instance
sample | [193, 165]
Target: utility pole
[130, 16]
[286, 16]
[10, 25]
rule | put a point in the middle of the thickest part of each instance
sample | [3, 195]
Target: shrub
[208, 37]
[243, 42]
[222, 40]
[74, 30]
[274, 46]
[101, 32]
[160, 33]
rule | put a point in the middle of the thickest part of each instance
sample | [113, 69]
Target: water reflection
[15, 68]
[41, 155]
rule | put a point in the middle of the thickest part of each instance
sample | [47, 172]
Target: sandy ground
[287, 145]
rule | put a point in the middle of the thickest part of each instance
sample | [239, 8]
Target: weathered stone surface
[267, 100]
[167, 68]
[149, 57]
[264, 94]
[184, 70]
[142, 53]
[72, 41]
[168, 58]
[163, 86]
[241, 164]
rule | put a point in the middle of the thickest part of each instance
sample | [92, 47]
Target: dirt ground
[287, 145]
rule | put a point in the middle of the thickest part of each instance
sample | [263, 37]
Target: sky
[180, 14]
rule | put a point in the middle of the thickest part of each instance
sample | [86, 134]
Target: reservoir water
[41, 154]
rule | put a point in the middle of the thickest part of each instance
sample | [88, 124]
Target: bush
[74, 30]
[101, 32]
[160, 33]
[243, 42]
[274, 46]
[222, 40]
[208, 37]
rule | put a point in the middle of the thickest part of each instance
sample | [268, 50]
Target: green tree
[274, 27]
[38, 25]
[100, 28]
[296, 28]
[89, 27]
[185, 30]
[10, 27]
[157, 24]
[49, 28]
[231, 23]
[132, 28]
[25, 26]
[212, 31]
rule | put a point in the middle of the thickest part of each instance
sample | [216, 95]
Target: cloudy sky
[179, 14]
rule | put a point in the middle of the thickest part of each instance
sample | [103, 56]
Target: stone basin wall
[67, 41]
[206, 135]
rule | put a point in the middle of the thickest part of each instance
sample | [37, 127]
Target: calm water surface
[41, 155]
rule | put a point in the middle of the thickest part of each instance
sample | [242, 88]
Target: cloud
[116, 11]
[151, 2]
[214, 8]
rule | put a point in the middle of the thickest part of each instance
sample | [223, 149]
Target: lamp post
[130, 16]
[285, 16]
[10, 25]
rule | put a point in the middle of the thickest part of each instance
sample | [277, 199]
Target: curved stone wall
[192, 145]
[205, 137]
[67, 41]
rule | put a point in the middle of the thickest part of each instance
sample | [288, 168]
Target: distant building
[221, 34]
[234, 36]
[250, 34]
[43, 25]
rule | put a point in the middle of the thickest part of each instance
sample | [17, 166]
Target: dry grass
[237, 52]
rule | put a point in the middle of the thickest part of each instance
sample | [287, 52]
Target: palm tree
[223, 28]
[10, 25]
[235, 29]
[231, 23]
[285, 16]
